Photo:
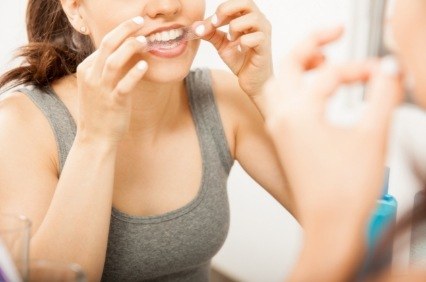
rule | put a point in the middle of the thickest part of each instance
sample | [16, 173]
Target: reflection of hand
[247, 48]
[336, 172]
[105, 80]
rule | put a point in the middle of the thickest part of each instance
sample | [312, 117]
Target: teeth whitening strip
[171, 38]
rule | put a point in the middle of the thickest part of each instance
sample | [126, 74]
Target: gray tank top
[178, 245]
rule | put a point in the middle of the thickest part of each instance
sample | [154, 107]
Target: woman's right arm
[71, 215]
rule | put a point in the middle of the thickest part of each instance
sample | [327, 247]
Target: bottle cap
[386, 182]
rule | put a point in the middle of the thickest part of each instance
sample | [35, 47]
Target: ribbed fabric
[178, 245]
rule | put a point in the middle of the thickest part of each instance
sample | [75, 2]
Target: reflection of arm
[252, 145]
[330, 253]
[71, 215]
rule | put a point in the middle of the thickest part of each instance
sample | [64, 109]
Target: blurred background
[264, 239]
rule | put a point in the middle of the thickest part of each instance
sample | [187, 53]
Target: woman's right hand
[105, 82]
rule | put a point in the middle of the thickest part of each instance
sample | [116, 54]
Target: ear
[72, 10]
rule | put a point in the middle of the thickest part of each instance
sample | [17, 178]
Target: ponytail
[55, 49]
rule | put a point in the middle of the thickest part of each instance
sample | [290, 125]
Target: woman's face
[409, 31]
[161, 16]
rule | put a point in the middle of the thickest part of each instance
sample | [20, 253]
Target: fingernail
[138, 20]
[141, 39]
[239, 48]
[142, 65]
[228, 36]
[390, 66]
[199, 30]
[214, 20]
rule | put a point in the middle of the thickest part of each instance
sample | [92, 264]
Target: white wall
[263, 240]
[12, 29]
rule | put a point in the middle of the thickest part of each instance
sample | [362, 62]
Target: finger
[91, 58]
[232, 35]
[246, 24]
[256, 41]
[130, 80]
[317, 60]
[203, 28]
[330, 78]
[114, 39]
[384, 92]
[232, 9]
[88, 62]
[218, 39]
[308, 54]
[116, 63]
[308, 50]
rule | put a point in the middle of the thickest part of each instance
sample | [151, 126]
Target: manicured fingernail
[390, 66]
[228, 36]
[239, 48]
[199, 30]
[214, 20]
[142, 65]
[141, 39]
[138, 20]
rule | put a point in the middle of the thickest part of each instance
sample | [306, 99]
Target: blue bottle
[384, 216]
[382, 220]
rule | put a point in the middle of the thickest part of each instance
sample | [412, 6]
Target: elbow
[91, 269]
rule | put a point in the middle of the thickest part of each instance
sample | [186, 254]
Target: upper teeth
[166, 35]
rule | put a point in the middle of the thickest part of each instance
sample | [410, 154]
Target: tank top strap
[206, 115]
[58, 115]
[202, 103]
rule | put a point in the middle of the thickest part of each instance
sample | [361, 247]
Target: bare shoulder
[230, 101]
[229, 94]
[24, 130]
[227, 88]
[28, 166]
[236, 108]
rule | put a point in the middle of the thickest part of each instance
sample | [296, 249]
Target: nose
[163, 8]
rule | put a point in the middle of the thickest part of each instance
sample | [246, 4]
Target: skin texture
[339, 178]
[411, 43]
[134, 127]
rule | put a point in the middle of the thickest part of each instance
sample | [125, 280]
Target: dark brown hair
[55, 48]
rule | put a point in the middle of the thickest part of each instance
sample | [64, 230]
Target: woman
[118, 191]
[339, 177]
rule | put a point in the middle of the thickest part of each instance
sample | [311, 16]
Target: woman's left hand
[247, 48]
[336, 171]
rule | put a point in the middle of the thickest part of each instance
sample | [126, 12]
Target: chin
[167, 72]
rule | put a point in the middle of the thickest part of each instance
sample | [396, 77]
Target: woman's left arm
[250, 144]
[247, 52]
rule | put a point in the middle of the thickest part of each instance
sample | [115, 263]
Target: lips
[169, 50]
[167, 42]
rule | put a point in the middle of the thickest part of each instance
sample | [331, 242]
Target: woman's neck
[155, 106]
